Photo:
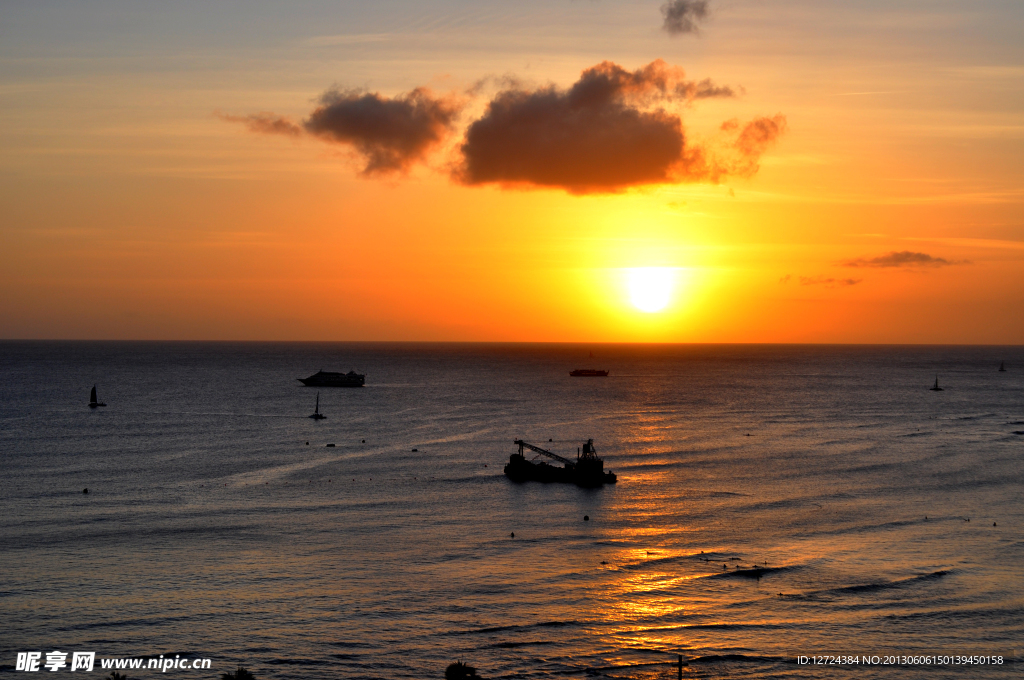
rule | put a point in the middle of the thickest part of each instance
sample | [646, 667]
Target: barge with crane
[586, 470]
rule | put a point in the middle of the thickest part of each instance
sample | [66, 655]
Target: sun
[650, 288]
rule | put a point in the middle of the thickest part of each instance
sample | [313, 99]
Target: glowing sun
[650, 288]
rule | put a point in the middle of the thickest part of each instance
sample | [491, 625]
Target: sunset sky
[566, 170]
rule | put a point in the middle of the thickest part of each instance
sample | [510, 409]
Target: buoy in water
[415, 450]
[513, 534]
[586, 518]
[85, 490]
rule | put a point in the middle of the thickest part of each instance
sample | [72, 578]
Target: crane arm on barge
[524, 445]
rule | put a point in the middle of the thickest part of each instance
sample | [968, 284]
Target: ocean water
[887, 518]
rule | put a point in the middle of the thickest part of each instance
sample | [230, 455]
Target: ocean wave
[516, 645]
[501, 629]
[658, 562]
[294, 662]
[897, 584]
[1010, 614]
[741, 658]
[737, 626]
[753, 572]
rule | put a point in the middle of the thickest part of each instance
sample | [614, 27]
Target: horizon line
[520, 342]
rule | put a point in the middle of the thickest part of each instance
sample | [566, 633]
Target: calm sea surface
[220, 524]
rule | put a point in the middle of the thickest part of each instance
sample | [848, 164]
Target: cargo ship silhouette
[324, 378]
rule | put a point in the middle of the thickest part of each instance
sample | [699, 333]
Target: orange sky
[136, 202]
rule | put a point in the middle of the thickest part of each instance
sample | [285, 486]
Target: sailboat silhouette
[1002, 367]
[92, 399]
[936, 388]
[316, 415]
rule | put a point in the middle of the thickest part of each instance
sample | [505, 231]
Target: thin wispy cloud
[903, 258]
[265, 123]
[684, 16]
[827, 282]
[704, 89]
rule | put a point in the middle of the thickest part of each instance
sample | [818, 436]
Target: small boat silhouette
[936, 387]
[1002, 367]
[92, 399]
[316, 415]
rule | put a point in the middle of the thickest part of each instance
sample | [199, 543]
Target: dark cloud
[611, 130]
[904, 258]
[828, 283]
[683, 16]
[590, 138]
[604, 134]
[389, 133]
[266, 123]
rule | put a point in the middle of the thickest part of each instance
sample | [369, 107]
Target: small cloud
[828, 283]
[265, 123]
[389, 133]
[754, 139]
[683, 16]
[904, 258]
[705, 89]
[785, 279]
